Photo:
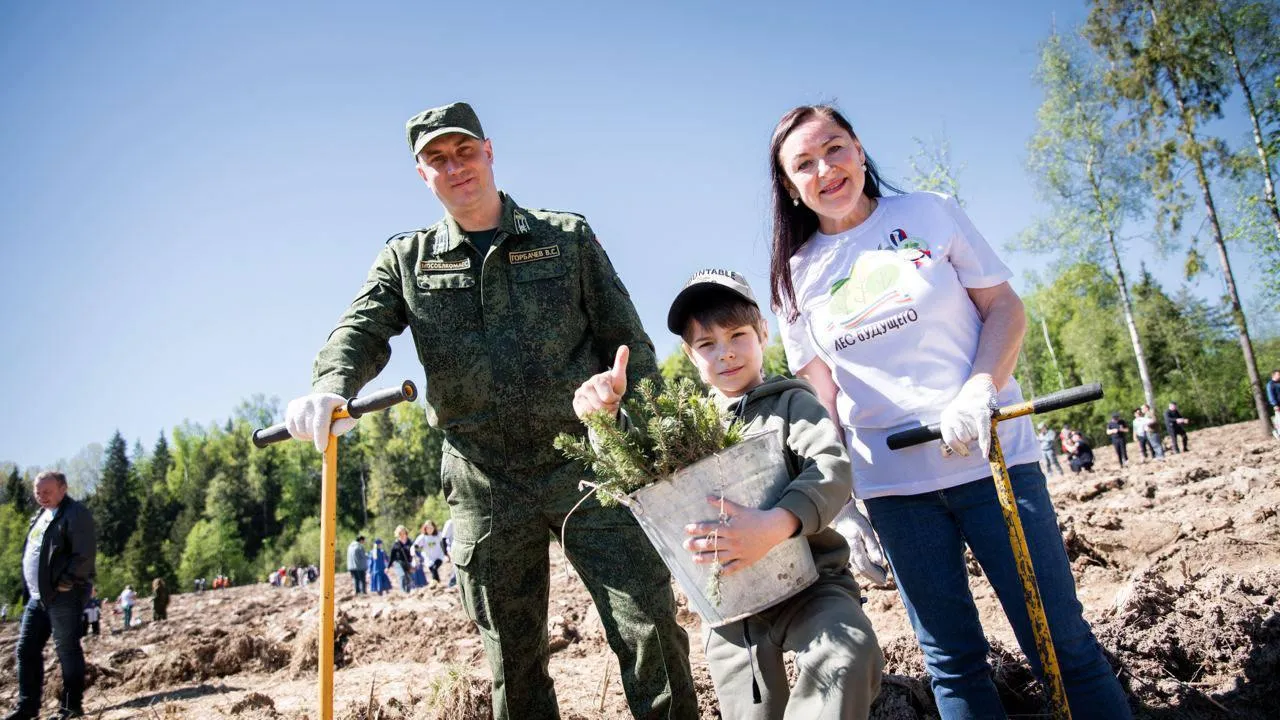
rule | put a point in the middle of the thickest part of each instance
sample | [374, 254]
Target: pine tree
[666, 431]
[145, 552]
[115, 507]
[161, 461]
[18, 494]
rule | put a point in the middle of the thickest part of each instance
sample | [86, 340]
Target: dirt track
[1176, 561]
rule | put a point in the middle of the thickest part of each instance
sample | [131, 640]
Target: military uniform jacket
[505, 340]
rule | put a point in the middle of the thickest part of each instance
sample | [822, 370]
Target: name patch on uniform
[444, 265]
[534, 255]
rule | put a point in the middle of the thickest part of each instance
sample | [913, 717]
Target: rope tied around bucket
[591, 489]
[715, 569]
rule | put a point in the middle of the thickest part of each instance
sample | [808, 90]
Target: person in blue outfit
[419, 575]
[378, 561]
[1273, 399]
[899, 313]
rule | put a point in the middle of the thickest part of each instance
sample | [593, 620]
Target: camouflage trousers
[503, 524]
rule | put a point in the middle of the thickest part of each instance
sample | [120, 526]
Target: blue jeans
[1051, 461]
[1151, 442]
[924, 537]
[61, 619]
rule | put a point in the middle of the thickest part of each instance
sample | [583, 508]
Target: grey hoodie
[821, 476]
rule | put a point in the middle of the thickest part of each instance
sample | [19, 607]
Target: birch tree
[1088, 177]
[1163, 65]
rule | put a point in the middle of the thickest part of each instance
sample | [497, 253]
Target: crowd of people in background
[293, 576]
[1145, 428]
[221, 581]
[410, 561]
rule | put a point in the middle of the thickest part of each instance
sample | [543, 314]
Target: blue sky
[191, 193]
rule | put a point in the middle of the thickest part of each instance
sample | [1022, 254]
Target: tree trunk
[1031, 382]
[1268, 188]
[1237, 312]
[1126, 303]
[1062, 385]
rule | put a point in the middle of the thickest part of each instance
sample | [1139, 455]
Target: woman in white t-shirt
[899, 313]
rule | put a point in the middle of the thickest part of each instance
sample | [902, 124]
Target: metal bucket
[752, 473]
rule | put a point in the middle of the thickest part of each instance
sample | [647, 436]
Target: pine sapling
[661, 432]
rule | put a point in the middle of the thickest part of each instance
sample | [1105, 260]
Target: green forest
[1127, 164]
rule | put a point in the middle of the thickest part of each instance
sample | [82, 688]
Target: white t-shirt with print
[1141, 425]
[429, 546]
[31, 557]
[885, 305]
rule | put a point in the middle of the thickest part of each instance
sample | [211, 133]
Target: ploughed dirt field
[1177, 563]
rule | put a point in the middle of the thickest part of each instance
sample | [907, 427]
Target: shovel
[356, 407]
[1018, 541]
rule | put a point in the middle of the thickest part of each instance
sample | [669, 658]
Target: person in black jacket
[1176, 426]
[58, 567]
[1116, 429]
[402, 556]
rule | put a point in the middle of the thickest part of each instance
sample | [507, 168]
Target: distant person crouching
[1081, 454]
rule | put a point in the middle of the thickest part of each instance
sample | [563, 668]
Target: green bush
[435, 509]
[213, 548]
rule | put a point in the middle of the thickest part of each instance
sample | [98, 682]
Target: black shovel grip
[1044, 404]
[380, 400]
[263, 437]
[914, 436]
[1067, 398]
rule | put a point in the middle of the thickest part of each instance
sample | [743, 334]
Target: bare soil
[1176, 562]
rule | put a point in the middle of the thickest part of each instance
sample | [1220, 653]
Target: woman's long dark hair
[793, 225]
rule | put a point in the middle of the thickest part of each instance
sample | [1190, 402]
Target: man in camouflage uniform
[511, 310]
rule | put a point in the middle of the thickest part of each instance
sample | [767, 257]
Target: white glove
[865, 555]
[308, 418]
[968, 417]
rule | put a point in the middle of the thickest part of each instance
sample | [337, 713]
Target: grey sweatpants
[837, 655]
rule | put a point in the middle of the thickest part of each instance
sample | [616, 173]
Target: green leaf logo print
[870, 285]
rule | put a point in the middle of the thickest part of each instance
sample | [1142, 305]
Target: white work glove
[865, 555]
[308, 418]
[968, 417]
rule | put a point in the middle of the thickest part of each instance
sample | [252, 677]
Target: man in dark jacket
[1176, 426]
[57, 570]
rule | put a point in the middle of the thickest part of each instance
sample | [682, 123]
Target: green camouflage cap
[430, 124]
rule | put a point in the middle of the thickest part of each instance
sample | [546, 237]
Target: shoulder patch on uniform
[399, 235]
[545, 211]
[543, 253]
[555, 215]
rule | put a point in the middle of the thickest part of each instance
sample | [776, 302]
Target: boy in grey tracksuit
[837, 654]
